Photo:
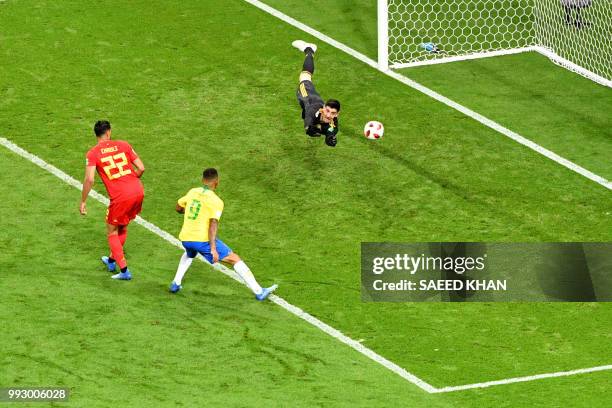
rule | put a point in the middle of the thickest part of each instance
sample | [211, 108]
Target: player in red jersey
[120, 169]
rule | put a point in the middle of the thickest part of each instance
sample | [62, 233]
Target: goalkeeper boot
[110, 265]
[303, 46]
[123, 275]
[174, 287]
[265, 292]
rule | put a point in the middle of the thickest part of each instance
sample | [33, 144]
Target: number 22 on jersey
[118, 162]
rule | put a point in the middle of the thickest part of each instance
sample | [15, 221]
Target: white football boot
[302, 45]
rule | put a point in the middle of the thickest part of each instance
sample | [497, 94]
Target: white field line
[454, 58]
[415, 85]
[523, 379]
[276, 299]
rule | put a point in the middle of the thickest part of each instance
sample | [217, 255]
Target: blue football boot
[174, 287]
[265, 292]
[110, 265]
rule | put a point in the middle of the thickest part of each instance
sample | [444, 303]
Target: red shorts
[124, 211]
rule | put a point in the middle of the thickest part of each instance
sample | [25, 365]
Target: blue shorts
[193, 248]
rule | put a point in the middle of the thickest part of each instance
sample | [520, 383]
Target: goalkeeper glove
[331, 140]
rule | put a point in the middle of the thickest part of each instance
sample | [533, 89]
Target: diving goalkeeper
[319, 118]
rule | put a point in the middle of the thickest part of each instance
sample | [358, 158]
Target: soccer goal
[575, 34]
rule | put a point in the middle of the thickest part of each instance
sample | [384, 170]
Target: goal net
[575, 34]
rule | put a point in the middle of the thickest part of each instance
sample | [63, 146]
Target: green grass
[65, 323]
[533, 97]
[196, 85]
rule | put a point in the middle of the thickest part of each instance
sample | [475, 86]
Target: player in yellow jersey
[202, 209]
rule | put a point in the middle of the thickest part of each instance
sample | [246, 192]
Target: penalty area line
[336, 334]
[438, 97]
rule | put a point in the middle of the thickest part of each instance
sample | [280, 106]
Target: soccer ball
[373, 130]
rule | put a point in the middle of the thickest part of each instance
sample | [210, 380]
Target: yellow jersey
[201, 204]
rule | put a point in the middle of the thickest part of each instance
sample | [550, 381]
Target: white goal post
[575, 34]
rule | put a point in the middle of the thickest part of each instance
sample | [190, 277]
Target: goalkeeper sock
[309, 61]
[184, 264]
[247, 276]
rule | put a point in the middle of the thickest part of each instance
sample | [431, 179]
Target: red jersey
[113, 160]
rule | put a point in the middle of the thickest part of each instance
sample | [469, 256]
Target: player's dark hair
[333, 103]
[101, 127]
[210, 174]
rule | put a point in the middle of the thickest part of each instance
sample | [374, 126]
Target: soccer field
[198, 84]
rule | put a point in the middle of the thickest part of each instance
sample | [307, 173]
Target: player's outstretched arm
[140, 168]
[180, 209]
[90, 172]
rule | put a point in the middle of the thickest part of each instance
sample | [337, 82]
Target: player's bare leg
[247, 276]
[116, 247]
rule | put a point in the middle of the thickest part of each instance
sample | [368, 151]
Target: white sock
[247, 276]
[184, 264]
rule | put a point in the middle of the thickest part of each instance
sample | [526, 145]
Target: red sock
[117, 250]
[123, 235]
